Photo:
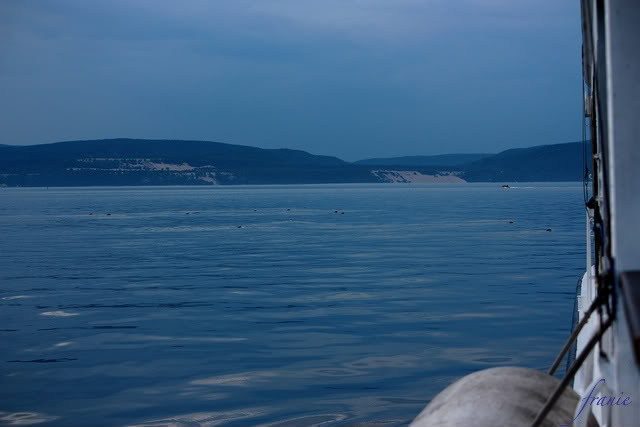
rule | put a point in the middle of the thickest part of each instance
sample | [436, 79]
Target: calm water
[263, 306]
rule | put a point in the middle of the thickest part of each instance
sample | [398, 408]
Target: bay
[275, 305]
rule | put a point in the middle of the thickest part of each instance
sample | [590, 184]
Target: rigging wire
[571, 355]
[572, 372]
[596, 304]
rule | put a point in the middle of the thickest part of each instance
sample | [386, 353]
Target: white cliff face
[409, 177]
[207, 173]
[120, 164]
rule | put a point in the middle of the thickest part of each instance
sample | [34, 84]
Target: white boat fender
[500, 397]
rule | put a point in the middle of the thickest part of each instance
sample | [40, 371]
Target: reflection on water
[24, 418]
[58, 313]
[206, 419]
[262, 306]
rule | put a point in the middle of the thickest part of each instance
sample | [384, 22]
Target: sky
[349, 78]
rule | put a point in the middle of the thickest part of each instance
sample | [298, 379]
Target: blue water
[264, 306]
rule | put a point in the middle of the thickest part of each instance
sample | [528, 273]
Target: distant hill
[439, 160]
[168, 162]
[557, 162]
[175, 162]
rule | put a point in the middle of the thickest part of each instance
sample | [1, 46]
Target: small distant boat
[506, 186]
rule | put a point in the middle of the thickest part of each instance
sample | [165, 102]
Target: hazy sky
[351, 78]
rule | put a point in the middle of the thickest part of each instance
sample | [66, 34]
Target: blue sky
[350, 78]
